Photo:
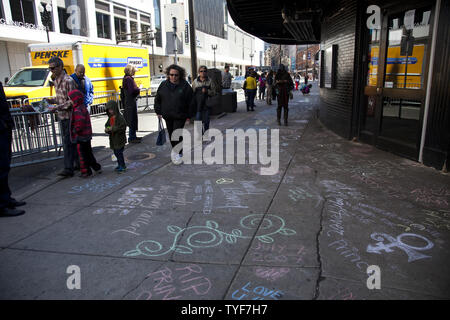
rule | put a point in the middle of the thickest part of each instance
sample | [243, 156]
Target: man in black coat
[7, 203]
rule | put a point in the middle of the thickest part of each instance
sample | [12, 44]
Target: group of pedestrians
[278, 86]
[74, 95]
[177, 102]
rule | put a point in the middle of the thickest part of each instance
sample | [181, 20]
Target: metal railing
[36, 138]
[101, 99]
[15, 103]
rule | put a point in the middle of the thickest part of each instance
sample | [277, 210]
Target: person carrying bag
[161, 140]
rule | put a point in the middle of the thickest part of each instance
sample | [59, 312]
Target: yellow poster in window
[396, 67]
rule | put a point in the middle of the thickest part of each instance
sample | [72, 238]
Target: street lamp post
[214, 47]
[174, 21]
[251, 58]
[46, 17]
[151, 37]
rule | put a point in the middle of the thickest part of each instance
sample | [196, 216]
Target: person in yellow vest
[250, 90]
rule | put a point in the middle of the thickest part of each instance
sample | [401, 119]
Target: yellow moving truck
[104, 65]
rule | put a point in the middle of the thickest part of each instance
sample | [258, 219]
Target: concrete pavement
[161, 231]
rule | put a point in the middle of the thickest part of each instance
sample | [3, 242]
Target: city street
[333, 210]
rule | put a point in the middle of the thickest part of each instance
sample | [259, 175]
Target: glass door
[397, 80]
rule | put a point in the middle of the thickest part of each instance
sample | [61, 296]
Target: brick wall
[336, 104]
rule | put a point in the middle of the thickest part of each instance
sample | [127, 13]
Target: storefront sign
[21, 24]
[186, 31]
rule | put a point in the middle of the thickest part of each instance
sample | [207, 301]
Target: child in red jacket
[81, 134]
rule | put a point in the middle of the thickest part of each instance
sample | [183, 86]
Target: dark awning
[281, 21]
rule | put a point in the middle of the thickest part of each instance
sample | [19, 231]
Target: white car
[156, 81]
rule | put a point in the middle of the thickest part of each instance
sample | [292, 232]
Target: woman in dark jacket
[204, 89]
[130, 93]
[284, 84]
[172, 103]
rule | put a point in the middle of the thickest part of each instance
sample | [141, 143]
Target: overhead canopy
[281, 21]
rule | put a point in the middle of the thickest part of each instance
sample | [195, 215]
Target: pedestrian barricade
[15, 103]
[36, 137]
[101, 99]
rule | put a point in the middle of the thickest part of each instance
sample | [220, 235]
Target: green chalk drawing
[209, 236]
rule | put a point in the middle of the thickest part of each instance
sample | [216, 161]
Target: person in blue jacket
[84, 84]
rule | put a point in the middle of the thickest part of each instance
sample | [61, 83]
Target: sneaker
[177, 159]
[99, 170]
[116, 169]
[135, 141]
[121, 169]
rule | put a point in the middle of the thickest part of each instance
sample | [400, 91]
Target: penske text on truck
[104, 65]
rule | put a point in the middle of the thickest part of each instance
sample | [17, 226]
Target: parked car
[237, 82]
[155, 82]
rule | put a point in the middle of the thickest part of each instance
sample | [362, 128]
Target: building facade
[385, 76]
[111, 22]
[384, 67]
[214, 29]
[307, 61]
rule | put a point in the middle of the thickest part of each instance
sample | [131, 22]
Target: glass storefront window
[373, 57]
[407, 47]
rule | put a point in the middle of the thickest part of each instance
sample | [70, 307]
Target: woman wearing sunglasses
[172, 103]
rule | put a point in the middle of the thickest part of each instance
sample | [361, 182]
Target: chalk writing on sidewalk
[99, 185]
[343, 294]
[209, 236]
[410, 250]
[205, 193]
[439, 198]
[271, 273]
[249, 292]
[131, 199]
[173, 284]
[277, 253]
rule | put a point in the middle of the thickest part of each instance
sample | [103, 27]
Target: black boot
[286, 113]
[279, 116]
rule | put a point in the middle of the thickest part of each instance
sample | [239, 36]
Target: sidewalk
[162, 231]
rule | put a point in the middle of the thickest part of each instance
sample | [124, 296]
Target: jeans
[262, 92]
[251, 94]
[172, 125]
[70, 149]
[131, 134]
[119, 155]
[204, 117]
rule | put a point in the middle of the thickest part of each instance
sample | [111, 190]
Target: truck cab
[29, 83]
